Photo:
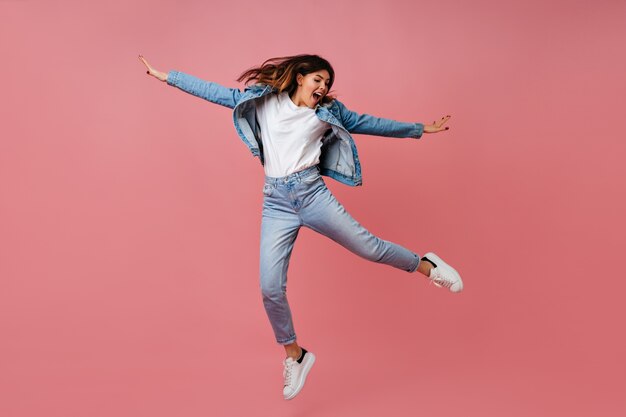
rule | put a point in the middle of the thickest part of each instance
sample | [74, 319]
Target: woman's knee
[373, 249]
[380, 251]
[271, 289]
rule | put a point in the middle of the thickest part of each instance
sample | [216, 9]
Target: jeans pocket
[268, 189]
[311, 179]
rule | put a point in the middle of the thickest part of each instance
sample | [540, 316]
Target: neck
[295, 98]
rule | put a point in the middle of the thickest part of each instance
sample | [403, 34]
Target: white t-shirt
[291, 135]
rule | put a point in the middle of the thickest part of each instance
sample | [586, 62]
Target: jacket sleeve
[371, 125]
[207, 90]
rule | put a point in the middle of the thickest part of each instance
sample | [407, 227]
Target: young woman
[300, 133]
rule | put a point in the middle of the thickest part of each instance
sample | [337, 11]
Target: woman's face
[311, 88]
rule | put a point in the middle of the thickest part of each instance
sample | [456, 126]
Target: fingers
[441, 121]
[437, 125]
[444, 119]
[145, 63]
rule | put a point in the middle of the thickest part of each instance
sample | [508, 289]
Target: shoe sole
[308, 361]
[440, 261]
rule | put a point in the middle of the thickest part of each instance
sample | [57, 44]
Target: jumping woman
[301, 133]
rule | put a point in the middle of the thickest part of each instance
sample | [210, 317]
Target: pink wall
[130, 212]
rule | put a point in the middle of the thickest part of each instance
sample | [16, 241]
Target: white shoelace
[440, 281]
[287, 371]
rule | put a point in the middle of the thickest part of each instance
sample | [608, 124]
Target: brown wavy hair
[280, 72]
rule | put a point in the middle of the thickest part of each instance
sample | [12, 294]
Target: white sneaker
[295, 373]
[443, 275]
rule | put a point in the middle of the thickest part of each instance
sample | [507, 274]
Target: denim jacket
[339, 159]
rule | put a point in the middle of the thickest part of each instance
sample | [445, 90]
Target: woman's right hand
[437, 126]
[151, 71]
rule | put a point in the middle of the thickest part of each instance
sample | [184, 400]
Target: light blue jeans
[302, 199]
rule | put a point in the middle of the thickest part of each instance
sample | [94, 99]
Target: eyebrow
[317, 75]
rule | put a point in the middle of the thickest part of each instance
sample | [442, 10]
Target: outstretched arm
[207, 90]
[371, 125]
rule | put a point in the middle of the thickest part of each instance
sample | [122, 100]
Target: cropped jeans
[302, 199]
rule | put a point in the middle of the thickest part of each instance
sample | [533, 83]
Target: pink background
[130, 212]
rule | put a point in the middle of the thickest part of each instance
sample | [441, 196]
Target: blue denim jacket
[339, 159]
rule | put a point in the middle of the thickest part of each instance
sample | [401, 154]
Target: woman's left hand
[437, 126]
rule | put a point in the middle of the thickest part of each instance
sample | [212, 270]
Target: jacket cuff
[172, 77]
[419, 130]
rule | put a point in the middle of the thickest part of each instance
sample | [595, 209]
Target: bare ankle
[296, 355]
[293, 350]
[424, 267]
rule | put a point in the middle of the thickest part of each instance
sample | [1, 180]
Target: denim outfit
[339, 159]
[302, 198]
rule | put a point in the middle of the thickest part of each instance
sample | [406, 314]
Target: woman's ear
[299, 78]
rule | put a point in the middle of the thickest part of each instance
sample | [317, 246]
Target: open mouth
[317, 96]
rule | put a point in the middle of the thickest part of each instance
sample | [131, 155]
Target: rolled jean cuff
[286, 341]
[415, 264]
